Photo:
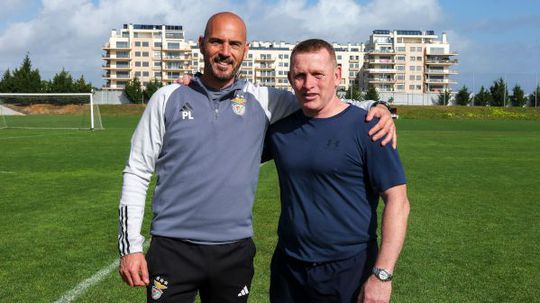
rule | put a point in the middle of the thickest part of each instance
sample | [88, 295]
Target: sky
[494, 38]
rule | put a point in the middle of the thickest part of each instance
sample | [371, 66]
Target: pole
[91, 112]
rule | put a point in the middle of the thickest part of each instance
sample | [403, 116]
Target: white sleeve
[277, 103]
[146, 145]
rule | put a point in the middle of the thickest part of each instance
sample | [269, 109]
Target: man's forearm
[394, 227]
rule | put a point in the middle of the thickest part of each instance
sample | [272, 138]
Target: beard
[218, 73]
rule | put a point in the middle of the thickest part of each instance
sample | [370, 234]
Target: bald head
[226, 19]
[223, 46]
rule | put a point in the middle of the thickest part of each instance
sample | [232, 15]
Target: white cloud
[70, 33]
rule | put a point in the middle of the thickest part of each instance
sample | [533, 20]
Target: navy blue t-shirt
[330, 177]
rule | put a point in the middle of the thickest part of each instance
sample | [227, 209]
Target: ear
[337, 75]
[201, 43]
[246, 50]
[289, 77]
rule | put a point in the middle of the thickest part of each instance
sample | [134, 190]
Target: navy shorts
[297, 281]
[220, 273]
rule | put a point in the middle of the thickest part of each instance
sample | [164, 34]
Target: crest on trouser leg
[158, 288]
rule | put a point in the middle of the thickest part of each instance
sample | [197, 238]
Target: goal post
[49, 110]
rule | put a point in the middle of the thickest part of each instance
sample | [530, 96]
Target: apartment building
[147, 52]
[392, 61]
[160, 52]
[408, 61]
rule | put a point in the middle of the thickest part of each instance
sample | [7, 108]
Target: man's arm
[394, 227]
[146, 145]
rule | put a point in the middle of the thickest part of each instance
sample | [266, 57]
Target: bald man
[204, 142]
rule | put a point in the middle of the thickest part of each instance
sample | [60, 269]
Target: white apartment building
[391, 61]
[160, 52]
[408, 61]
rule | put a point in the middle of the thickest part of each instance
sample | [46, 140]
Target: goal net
[49, 111]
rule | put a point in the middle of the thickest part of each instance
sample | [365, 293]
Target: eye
[319, 76]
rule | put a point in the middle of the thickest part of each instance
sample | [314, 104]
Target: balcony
[441, 72]
[381, 52]
[116, 67]
[381, 70]
[440, 81]
[380, 61]
[264, 67]
[441, 61]
[381, 80]
[176, 58]
[109, 47]
[265, 59]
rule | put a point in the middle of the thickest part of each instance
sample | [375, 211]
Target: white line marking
[78, 290]
[7, 172]
[95, 279]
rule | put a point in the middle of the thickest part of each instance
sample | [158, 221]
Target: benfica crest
[239, 104]
[160, 285]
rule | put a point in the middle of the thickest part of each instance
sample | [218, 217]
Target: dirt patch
[49, 109]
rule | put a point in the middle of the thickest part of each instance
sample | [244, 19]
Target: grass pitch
[473, 231]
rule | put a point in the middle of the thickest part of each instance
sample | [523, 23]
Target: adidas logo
[244, 292]
[186, 112]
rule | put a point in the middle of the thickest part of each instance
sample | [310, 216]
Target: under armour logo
[332, 143]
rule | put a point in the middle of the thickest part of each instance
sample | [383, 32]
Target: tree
[518, 97]
[151, 88]
[372, 93]
[6, 84]
[463, 97]
[25, 79]
[353, 93]
[483, 98]
[62, 82]
[444, 97]
[499, 93]
[81, 86]
[534, 100]
[133, 91]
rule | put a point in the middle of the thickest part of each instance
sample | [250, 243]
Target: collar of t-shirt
[218, 94]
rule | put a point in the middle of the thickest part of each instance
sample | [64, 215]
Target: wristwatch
[382, 103]
[382, 274]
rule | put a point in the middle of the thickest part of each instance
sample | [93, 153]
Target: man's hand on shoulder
[133, 270]
[185, 80]
[375, 291]
[385, 127]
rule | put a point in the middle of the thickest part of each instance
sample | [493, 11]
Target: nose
[225, 50]
[309, 82]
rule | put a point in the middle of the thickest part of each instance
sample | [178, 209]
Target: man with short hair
[331, 176]
[204, 141]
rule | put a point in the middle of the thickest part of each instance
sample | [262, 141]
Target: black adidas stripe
[123, 242]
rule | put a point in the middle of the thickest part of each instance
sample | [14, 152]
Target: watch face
[383, 275]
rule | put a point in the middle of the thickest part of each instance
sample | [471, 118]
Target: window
[145, 54]
[400, 49]
[418, 77]
[412, 48]
[418, 87]
[411, 87]
[171, 45]
[419, 68]
[157, 54]
[145, 74]
[121, 45]
[400, 87]
[137, 54]
[412, 77]
[157, 63]
[137, 74]
[400, 77]
[400, 67]
[339, 57]
[412, 58]
[137, 63]
[400, 58]
[145, 44]
[412, 67]
[419, 49]
[418, 58]
[145, 64]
